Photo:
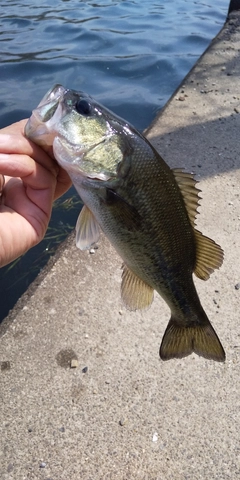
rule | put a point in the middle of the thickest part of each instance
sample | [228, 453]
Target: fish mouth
[41, 125]
[48, 127]
[40, 131]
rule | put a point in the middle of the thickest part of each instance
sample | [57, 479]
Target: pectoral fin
[87, 229]
[136, 294]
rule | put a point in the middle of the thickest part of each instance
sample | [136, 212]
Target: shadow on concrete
[206, 148]
[199, 127]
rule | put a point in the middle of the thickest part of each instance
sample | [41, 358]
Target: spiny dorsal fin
[136, 294]
[87, 229]
[209, 255]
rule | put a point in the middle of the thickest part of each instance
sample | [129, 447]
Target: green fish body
[146, 210]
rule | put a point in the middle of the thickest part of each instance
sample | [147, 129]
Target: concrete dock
[84, 395]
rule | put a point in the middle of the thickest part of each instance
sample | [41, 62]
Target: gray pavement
[121, 413]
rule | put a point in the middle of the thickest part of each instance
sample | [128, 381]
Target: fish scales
[146, 210]
[150, 188]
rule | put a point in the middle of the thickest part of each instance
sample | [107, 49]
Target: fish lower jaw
[71, 158]
[66, 154]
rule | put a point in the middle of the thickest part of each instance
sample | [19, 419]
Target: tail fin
[179, 341]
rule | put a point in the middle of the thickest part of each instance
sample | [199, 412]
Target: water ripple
[96, 45]
[130, 55]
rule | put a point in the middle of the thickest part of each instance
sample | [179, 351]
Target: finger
[11, 143]
[20, 144]
[17, 234]
[38, 183]
[15, 127]
[64, 182]
[22, 165]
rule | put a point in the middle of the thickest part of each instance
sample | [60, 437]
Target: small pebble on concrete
[5, 366]
[74, 363]
[123, 421]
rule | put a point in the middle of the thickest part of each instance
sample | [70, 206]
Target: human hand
[33, 180]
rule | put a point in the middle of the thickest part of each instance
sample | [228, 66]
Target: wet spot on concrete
[65, 357]
[47, 300]
[5, 366]
[19, 334]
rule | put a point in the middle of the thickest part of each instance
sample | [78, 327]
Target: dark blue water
[130, 55]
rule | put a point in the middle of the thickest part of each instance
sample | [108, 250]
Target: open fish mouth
[41, 126]
[66, 122]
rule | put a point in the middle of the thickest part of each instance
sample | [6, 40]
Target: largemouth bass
[146, 210]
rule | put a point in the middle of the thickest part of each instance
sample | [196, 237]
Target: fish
[146, 209]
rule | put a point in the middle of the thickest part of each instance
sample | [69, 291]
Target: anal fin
[136, 294]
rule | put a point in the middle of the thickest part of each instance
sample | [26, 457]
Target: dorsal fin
[189, 191]
[209, 255]
[87, 229]
[136, 294]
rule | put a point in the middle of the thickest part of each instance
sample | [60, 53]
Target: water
[129, 55]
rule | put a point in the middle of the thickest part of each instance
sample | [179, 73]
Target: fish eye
[83, 107]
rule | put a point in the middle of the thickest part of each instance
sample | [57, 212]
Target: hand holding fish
[30, 180]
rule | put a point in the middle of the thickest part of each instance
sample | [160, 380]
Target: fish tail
[181, 340]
